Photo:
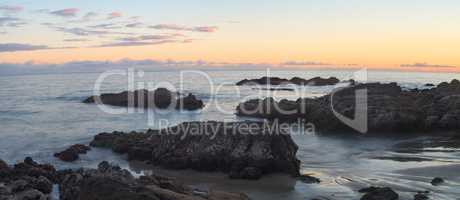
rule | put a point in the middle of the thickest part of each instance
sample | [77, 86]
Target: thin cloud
[147, 37]
[12, 22]
[11, 9]
[12, 47]
[88, 32]
[16, 24]
[106, 26]
[76, 40]
[424, 64]
[207, 29]
[42, 11]
[68, 12]
[134, 25]
[4, 21]
[142, 43]
[89, 16]
[303, 63]
[114, 15]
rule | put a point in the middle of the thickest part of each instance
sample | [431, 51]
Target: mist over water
[43, 114]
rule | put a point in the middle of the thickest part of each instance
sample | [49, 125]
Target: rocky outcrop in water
[110, 182]
[244, 150]
[389, 108]
[316, 81]
[437, 181]
[32, 181]
[161, 98]
[72, 153]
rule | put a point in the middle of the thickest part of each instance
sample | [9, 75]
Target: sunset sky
[375, 33]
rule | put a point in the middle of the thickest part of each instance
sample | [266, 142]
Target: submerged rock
[376, 193]
[161, 98]
[72, 153]
[245, 150]
[309, 179]
[421, 196]
[110, 182]
[437, 181]
[316, 81]
[389, 108]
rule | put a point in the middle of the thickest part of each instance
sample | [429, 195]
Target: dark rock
[4, 170]
[33, 169]
[421, 196]
[316, 81]
[67, 155]
[110, 183]
[161, 98]
[389, 109]
[3, 166]
[189, 102]
[18, 185]
[31, 194]
[26, 181]
[242, 149]
[72, 153]
[276, 89]
[437, 181]
[80, 148]
[375, 193]
[250, 173]
[309, 179]
[42, 184]
[264, 81]
[429, 85]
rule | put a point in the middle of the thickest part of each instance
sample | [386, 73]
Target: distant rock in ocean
[316, 81]
[161, 98]
[244, 150]
[389, 109]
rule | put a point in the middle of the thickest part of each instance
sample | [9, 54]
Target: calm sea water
[42, 114]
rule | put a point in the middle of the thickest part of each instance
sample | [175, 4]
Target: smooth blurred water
[43, 114]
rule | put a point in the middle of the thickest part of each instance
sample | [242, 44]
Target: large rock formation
[160, 98]
[245, 150]
[112, 183]
[316, 81]
[32, 181]
[390, 108]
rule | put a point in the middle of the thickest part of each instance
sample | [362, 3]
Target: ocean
[43, 114]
